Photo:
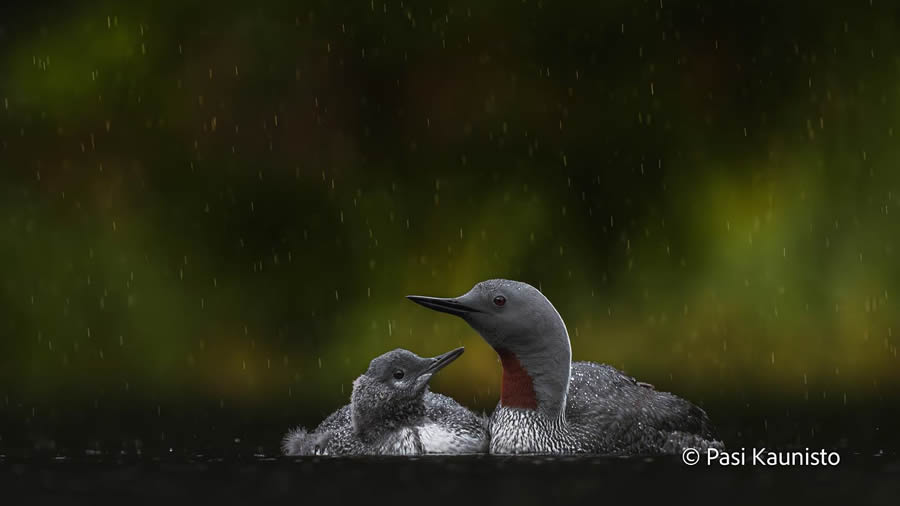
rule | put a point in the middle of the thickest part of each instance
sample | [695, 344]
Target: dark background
[210, 212]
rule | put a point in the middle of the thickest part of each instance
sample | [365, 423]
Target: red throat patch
[517, 389]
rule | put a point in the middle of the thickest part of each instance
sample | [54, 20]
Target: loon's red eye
[499, 300]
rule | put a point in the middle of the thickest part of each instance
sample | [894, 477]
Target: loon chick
[553, 406]
[392, 412]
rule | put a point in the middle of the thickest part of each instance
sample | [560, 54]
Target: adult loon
[550, 405]
[392, 412]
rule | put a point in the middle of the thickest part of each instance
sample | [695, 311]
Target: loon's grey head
[527, 333]
[393, 387]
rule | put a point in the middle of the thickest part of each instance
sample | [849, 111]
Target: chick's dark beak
[441, 361]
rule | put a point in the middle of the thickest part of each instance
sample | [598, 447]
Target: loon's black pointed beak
[441, 361]
[451, 306]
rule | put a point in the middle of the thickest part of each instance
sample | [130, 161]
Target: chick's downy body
[392, 412]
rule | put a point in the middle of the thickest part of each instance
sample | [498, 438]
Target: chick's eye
[499, 300]
[398, 374]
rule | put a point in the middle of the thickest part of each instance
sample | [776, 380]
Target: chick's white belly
[438, 439]
[402, 442]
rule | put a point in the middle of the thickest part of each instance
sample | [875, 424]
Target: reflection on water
[861, 478]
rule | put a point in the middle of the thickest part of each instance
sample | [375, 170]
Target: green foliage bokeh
[227, 203]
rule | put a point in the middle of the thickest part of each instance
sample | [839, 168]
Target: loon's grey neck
[536, 372]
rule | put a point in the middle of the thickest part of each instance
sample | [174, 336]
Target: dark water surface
[858, 479]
